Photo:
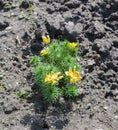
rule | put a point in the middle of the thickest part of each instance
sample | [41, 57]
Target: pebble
[35, 13]
[116, 91]
[105, 107]
[88, 106]
[83, 116]
[90, 62]
[116, 98]
[80, 90]
[70, 23]
[116, 117]
[74, 107]
[61, 100]
[9, 28]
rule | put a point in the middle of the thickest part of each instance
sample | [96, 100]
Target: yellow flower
[73, 44]
[44, 52]
[74, 75]
[53, 77]
[46, 39]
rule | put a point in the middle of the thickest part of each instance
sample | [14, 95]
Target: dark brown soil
[94, 25]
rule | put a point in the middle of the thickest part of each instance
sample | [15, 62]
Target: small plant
[28, 5]
[30, 8]
[22, 15]
[57, 72]
[22, 95]
[9, 5]
[1, 86]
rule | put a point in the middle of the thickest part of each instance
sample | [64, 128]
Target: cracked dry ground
[94, 25]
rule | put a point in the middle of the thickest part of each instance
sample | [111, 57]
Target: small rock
[90, 62]
[80, 90]
[116, 92]
[9, 28]
[105, 107]
[82, 115]
[116, 117]
[61, 100]
[35, 13]
[23, 68]
[74, 107]
[116, 98]
[88, 106]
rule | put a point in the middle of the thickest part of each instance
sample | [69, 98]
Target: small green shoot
[22, 95]
[22, 15]
[1, 86]
[30, 8]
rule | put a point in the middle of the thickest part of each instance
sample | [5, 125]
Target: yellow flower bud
[73, 44]
[53, 77]
[74, 75]
[44, 52]
[46, 39]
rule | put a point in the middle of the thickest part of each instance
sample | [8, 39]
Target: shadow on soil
[47, 115]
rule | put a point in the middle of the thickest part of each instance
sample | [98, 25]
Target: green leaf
[70, 91]
[34, 60]
[21, 16]
[51, 93]
[22, 94]
[27, 17]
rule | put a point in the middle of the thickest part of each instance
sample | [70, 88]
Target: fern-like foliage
[70, 91]
[57, 70]
[51, 93]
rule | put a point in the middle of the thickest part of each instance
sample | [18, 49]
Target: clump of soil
[93, 24]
